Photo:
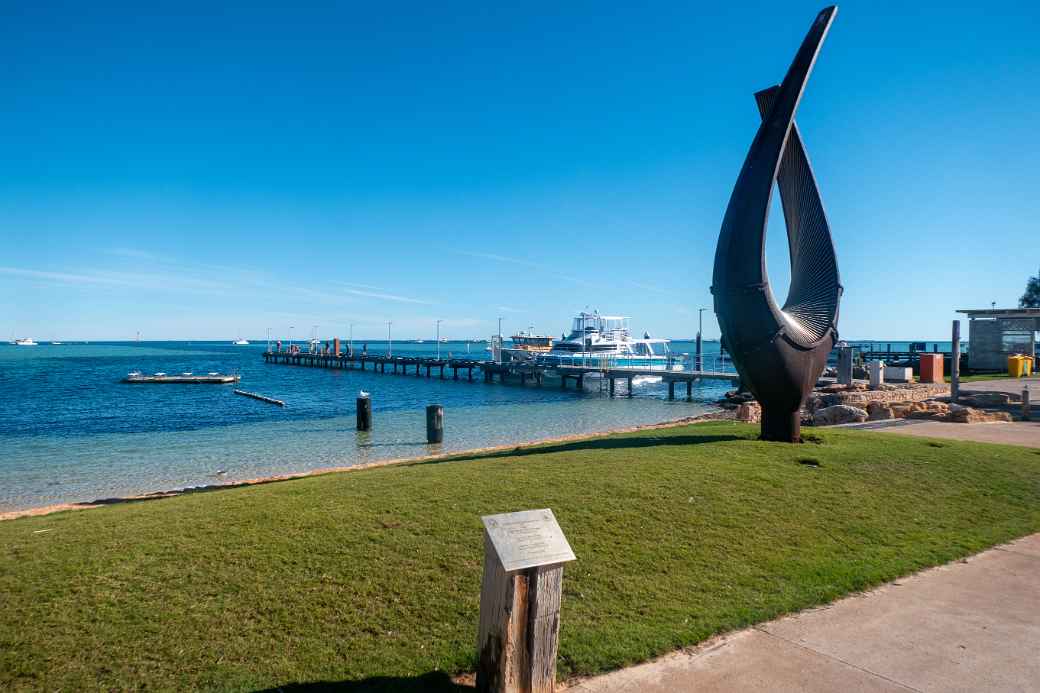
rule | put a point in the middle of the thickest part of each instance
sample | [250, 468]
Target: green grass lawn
[371, 578]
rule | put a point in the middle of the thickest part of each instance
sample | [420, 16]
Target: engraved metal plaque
[527, 539]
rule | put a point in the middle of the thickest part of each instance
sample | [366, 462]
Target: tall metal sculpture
[779, 352]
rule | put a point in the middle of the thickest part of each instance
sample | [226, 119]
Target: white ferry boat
[25, 341]
[604, 341]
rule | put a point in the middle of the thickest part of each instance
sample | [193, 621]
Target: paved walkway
[1025, 433]
[973, 625]
[1012, 386]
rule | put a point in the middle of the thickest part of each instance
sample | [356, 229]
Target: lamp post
[291, 328]
[439, 339]
[389, 342]
[700, 329]
[350, 338]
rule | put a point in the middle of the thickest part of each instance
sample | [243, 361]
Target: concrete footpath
[1025, 433]
[972, 625]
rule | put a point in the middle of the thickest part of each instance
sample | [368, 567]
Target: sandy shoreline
[60, 507]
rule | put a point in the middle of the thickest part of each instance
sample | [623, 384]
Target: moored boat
[605, 342]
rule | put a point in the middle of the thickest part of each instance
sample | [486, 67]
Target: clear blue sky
[199, 170]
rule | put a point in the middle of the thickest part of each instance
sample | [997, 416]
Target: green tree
[1031, 298]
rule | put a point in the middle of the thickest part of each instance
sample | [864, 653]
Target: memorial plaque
[527, 539]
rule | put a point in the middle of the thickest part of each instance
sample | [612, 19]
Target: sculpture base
[784, 427]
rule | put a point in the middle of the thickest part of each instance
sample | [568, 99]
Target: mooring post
[955, 361]
[611, 387]
[364, 413]
[435, 424]
[629, 386]
[689, 390]
[520, 597]
[671, 389]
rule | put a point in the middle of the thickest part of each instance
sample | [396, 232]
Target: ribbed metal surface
[812, 300]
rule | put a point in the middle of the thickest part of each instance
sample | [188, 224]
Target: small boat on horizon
[24, 341]
[240, 341]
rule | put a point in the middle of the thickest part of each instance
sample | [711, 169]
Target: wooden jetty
[490, 370]
[262, 398]
[183, 378]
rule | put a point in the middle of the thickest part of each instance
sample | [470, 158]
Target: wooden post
[611, 387]
[364, 414]
[689, 390]
[671, 389]
[955, 362]
[629, 387]
[1025, 404]
[435, 424]
[520, 598]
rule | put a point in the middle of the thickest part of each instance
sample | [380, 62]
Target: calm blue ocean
[71, 432]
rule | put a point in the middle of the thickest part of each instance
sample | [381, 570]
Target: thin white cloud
[527, 263]
[507, 309]
[362, 286]
[648, 287]
[61, 277]
[134, 253]
[379, 294]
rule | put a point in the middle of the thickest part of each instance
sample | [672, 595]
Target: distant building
[996, 333]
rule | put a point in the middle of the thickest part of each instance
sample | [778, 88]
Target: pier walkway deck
[520, 372]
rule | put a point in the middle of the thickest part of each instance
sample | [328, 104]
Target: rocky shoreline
[834, 404]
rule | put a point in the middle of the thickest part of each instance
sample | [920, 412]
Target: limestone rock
[839, 414]
[751, 412]
[970, 415]
[879, 411]
[988, 399]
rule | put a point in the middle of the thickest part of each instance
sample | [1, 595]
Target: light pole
[700, 329]
[500, 329]
[350, 338]
[269, 339]
[389, 342]
[291, 328]
[439, 339]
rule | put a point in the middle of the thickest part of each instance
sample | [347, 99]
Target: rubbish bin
[1016, 365]
[1027, 365]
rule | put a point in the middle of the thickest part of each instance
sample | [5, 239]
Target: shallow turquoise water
[71, 432]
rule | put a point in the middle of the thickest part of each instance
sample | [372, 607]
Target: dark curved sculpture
[779, 352]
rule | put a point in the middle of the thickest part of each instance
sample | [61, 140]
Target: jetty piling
[364, 413]
[435, 423]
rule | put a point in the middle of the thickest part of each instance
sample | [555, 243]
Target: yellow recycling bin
[1027, 366]
[1016, 365]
